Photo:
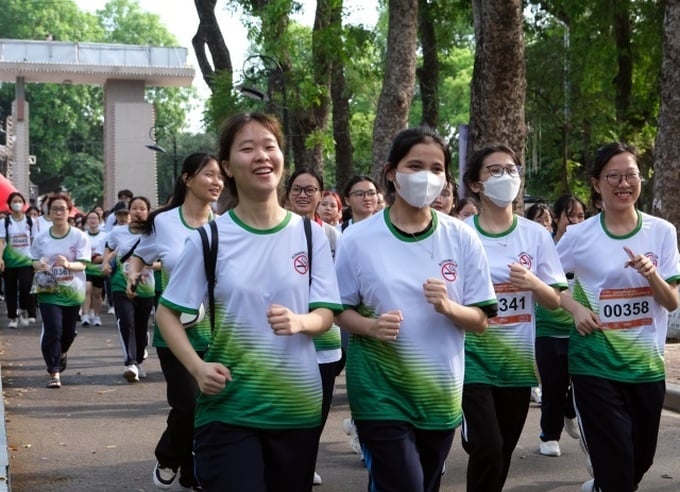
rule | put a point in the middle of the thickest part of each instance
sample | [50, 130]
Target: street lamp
[156, 132]
[270, 65]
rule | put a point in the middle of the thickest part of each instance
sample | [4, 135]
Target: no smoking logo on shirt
[301, 264]
[449, 271]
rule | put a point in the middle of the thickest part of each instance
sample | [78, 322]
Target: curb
[4, 455]
[672, 400]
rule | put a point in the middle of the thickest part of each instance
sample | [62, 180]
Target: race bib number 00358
[622, 309]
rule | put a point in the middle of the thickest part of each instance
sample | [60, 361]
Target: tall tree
[399, 79]
[428, 72]
[666, 201]
[498, 81]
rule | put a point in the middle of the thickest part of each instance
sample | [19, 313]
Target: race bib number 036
[514, 305]
[622, 309]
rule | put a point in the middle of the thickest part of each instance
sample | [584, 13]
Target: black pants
[58, 333]
[400, 457]
[493, 419]
[240, 459]
[556, 397]
[174, 448]
[620, 425]
[133, 324]
[18, 284]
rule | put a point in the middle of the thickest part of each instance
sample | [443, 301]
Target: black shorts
[97, 281]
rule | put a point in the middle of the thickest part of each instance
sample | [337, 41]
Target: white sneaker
[141, 372]
[96, 321]
[164, 478]
[317, 479]
[351, 430]
[131, 373]
[111, 310]
[588, 486]
[550, 448]
[31, 320]
[23, 319]
[85, 320]
[13, 323]
[571, 428]
[536, 394]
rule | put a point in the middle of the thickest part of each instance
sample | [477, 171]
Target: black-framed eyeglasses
[364, 193]
[308, 190]
[58, 209]
[615, 179]
[497, 170]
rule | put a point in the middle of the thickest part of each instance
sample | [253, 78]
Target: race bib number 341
[622, 309]
[514, 305]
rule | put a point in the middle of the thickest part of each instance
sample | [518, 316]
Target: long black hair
[191, 166]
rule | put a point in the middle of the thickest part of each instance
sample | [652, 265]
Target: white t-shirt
[165, 243]
[504, 354]
[98, 245]
[122, 240]
[75, 246]
[417, 378]
[275, 379]
[18, 246]
[630, 347]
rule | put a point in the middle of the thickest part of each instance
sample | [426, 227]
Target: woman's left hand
[282, 320]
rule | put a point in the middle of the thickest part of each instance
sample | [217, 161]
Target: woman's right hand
[586, 321]
[386, 327]
[211, 377]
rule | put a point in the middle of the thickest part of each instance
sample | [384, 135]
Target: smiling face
[139, 211]
[621, 196]
[255, 161]
[208, 182]
[304, 195]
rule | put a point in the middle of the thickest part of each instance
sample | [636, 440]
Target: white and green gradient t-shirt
[630, 346]
[165, 243]
[121, 240]
[97, 244]
[418, 378]
[275, 379]
[17, 252]
[75, 246]
[504, 354]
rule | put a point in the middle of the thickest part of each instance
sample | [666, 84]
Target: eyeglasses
[58, 209]
[364, 193]
[496, 170]
[614, 179]
[308, 190]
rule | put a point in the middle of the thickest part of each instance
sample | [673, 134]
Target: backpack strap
[127, 255]
[6, 229]
[210, 264]
[308, 234]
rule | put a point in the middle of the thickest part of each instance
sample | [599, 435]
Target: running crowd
[445, 312]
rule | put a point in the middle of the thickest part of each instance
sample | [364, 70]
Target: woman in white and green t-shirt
[258, 414]
[626, 270]
[59, 256]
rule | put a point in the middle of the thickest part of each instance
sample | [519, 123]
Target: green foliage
[78, 174]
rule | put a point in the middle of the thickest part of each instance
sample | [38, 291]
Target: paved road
[98, 432]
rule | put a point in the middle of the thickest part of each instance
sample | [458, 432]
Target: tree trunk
[341, 109]
[666, 201]
[428, 74]
[498, 82]
[399, 79]
[209, 35]
[623, 81]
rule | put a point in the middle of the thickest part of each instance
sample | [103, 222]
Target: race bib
[20, 241]
[63, 275]
[514, 305]
[622, 309]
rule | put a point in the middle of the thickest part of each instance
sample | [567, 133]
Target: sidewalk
[98, 432]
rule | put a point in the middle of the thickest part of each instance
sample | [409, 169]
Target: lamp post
[160, 131]
[270, 65]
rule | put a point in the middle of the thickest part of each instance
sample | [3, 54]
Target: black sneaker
[164, 478]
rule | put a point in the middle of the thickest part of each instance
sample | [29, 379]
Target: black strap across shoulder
[210, 264]
[308, 234]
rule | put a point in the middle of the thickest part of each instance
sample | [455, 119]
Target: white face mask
[502, 190]
[419, 189]
[17, 206]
